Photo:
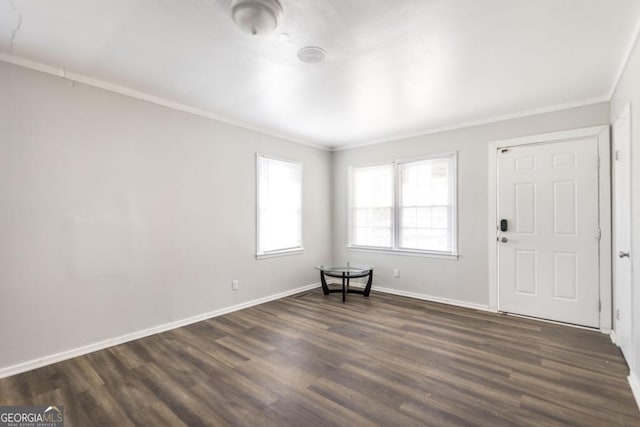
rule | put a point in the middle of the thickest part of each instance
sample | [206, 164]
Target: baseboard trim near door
[80, 351]
[432, 298]
[635, 387]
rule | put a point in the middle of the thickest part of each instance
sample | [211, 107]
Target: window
[373, 206]
[279, 206]
[425, 205]
[405, 206]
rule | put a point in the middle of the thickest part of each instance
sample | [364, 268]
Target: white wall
[118, 215]
[464, 280]
[628, 90]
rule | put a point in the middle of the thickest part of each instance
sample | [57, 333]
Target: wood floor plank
[370, 407]
[312, 360]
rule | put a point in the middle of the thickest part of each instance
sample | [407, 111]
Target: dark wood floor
[311, 360]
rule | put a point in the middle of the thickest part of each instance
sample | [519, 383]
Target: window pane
[381, 217]
[372, 236]
[372, 206]
[440, 217]
[372, 227]
[279, 205]
[440, 240]
[409, 238]
[424, 217]
[425, 204]
[373, 186]
[425, 182]
[409, 217]
[423, 239]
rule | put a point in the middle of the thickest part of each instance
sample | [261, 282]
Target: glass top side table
[345, 273]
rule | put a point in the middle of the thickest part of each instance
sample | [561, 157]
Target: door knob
[623, 254]
[504, 240]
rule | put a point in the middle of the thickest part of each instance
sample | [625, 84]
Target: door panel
[565, 200]
[526, 272]
[525, 208]
[548, 259]
[565, 275]
[622, 232]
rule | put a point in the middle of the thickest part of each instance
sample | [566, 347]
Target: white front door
[622, 231]
[548, 261]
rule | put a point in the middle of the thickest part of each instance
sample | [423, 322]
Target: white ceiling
[393, 68]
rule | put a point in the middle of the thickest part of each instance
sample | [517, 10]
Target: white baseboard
[79, 351]
[635, 387]
[612, 334]
[433, 298]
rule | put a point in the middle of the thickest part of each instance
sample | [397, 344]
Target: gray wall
[118, 215]
[628, 90]
[464, 280]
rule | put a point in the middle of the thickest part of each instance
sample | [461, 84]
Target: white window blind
[279, 205]
[372, 209]
[405, 205]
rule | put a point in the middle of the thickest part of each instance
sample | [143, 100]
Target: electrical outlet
[618, 314]
[396, 273]
[234, 285]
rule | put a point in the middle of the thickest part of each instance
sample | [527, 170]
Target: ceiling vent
[256, 17]
[312, 54]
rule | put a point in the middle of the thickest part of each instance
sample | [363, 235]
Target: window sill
[286, 252]
[404, 252]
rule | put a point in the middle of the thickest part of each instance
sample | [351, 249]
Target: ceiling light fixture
[312, 54]
[256, 17]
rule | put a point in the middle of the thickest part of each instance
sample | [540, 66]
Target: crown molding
[488, 120]
[122, 90]
[132, 93]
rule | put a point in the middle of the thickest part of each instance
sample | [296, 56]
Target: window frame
[395, 249]
[260, 254]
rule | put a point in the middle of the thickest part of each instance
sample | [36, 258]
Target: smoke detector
[312, 54]
[256, 17]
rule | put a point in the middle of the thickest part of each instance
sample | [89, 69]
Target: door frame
[602, 133]
[624, 113]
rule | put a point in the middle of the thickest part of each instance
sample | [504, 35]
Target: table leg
[367, 288]
[325, 288]
[344, 289]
